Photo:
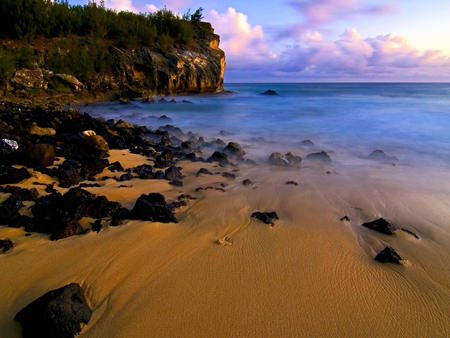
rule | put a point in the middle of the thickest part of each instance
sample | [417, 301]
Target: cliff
[143, 71]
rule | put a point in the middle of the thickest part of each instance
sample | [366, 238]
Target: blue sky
[323, 40]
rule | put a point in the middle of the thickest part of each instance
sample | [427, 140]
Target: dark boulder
[219, 157]
[126, 177]
[9, 211]
[247, 182]
[307, 143]
[319, 157]
[173, 173]
[165, 159]
[270, 92]
[9, 174]
[381, 225]
[6, 245]
[203, 171]
[36, 155]
[93, 167]
[266, 217]
[287, 160]
[153, 207]
[64, 230]
[57, 314]
[145, 171]
[388, 255]
[164, 118]
[233, 149]
[380, 155]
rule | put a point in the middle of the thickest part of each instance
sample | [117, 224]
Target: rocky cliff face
[141, 72]
[197, 68]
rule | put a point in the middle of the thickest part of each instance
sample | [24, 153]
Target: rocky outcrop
[197, 67]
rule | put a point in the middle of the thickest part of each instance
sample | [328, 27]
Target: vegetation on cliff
[84, 41]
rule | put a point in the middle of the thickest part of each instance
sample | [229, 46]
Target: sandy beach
[311, 275]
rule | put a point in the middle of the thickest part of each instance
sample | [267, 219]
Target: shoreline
[312, 274]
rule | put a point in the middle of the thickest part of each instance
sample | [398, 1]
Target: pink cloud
[242, 43]
[351, 57]
[120, 5]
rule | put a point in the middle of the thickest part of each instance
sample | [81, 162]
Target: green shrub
[165, 43]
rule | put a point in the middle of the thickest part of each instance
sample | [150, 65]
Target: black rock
[287, 160]
[307, 143]
[292, 183]
[6, 245]
[9, 211]
[269, 92]
[173, 173]
[145, 171]
[97, 225]
[68, 177]
[9, 175]
[319, 157]
[69, 229]
[380, 155]
[388, 255]
[153, 207]
[204, 171]
[266, 217]
[220, 157]
[36, 155]
[233, 149]
[116, 166]
[57, 314]
[381, 225]
[126, 177]
[229, 175]
[176, 183]
[159, 175]
[247, 182]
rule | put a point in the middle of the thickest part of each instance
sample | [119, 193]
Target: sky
[323, 40]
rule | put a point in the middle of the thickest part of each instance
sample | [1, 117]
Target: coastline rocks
[36, 155]
[58, 313]
[71, 81]
[173, 173]
[96, 142]
[153, 207]
[388, 255]
[9, 174]
[266, 217]
[380, 155]
[233, 149]
[319, 157]
[270, 92]
[287, 160]
[40, 131]
[29, 79]
[219, 157]
[381, 225]
[6, 245]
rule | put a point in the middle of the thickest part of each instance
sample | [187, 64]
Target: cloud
[351, 57]
[120, 5]
[242, 43]
[151, 8]
[173, 5]
[317, 13]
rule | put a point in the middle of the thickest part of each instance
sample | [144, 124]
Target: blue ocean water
[408, 120]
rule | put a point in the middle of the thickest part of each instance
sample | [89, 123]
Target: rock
[307, 143]
[96, 142]
[380, 155]
[116, 166]
[144, 171]
[219, 157]
[9, 175]
[381, 225]
[38, 131]
[68, 177]
[159, 175]
[247, 182]
[287, 160]
[164, 119]
[293, 159]
[9, 211]
[64, 230]
[345, 218]
[203, 171]
[292, 183]
[266, 217]
[93, 168]
[124, 100]
[126, 177]
[71, 81]
[6, 245]
[7, 147]
[97, 225]
[57, 314]
[388, 255]
[173, 173]
[153, 207]
[29, 79]
[176, 183]
[229, 175]
[233, 149]
[165, 159]
[270, 92]
[319, 157]
[37, 155]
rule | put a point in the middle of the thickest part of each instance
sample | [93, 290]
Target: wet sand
[311, 275]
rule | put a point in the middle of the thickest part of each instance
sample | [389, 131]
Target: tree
[197, 16]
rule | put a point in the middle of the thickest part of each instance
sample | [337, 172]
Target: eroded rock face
[57, 314]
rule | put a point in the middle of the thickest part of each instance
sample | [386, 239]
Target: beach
[221, 272]
[311, 274]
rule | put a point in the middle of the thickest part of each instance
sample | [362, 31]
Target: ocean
[410, 121]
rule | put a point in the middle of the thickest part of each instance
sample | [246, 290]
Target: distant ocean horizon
[407, 120]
